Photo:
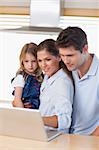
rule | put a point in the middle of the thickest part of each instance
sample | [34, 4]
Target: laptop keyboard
[51, 133]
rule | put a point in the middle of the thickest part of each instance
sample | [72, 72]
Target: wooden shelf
[67, 11]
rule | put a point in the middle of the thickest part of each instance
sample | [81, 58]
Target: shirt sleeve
[63, 103]
[18, 81]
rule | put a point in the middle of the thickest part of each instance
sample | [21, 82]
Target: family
[61, 79]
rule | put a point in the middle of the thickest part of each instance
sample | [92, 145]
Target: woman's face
[30, 63]
[47, 62]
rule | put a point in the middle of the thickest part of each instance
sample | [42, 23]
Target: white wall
[89, 25]
[11, 44]
[14, 2]
[67, 3]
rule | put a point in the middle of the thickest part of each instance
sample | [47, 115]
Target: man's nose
[66, 60]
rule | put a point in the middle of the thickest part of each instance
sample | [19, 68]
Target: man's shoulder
[95, 62]
[96, 58]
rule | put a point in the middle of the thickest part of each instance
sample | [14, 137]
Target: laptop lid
[24, 123]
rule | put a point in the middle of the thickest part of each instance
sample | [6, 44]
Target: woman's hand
[51, 121]
[96, 132]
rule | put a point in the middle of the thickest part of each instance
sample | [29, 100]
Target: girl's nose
[30, 64]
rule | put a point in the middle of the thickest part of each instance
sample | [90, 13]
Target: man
[73, 48]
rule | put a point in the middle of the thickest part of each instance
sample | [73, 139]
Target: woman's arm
[51, 121]
[96, 132]
[17, 102]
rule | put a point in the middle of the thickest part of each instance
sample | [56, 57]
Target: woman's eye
[48, 59]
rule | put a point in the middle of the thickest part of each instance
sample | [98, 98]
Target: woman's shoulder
[64, 75]
[64, 79]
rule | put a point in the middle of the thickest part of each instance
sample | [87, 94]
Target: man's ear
[59, 58]
[85, 48]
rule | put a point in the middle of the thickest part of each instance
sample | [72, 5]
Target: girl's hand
[17, 103]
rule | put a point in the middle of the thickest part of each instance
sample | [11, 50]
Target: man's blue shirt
[85, 116]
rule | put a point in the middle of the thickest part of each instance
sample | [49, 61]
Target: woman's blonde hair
[30, 48]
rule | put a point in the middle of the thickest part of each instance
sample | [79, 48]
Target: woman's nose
[43, 63]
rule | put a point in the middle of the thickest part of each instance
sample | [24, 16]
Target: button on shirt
[56, 98]
[86, 100]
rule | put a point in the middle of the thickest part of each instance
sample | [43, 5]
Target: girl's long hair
[30, 48]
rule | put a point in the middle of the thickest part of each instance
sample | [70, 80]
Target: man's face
[72, 58]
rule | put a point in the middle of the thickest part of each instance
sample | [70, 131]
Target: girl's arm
[17, 102]
[51, 121]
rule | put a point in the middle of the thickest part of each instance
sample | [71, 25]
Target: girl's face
[30, 63]
[47, 62]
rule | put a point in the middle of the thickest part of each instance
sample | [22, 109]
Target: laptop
[24, 123]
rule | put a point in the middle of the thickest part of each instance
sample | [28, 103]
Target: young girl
[28, 78]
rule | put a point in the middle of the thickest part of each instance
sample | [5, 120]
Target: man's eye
[70, 55]
[62, 55]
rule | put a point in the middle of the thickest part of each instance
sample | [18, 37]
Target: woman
[56, 94]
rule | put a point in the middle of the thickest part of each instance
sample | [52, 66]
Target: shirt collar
[94, 66]
[54, 77]
[48, 81]
[92, 70]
